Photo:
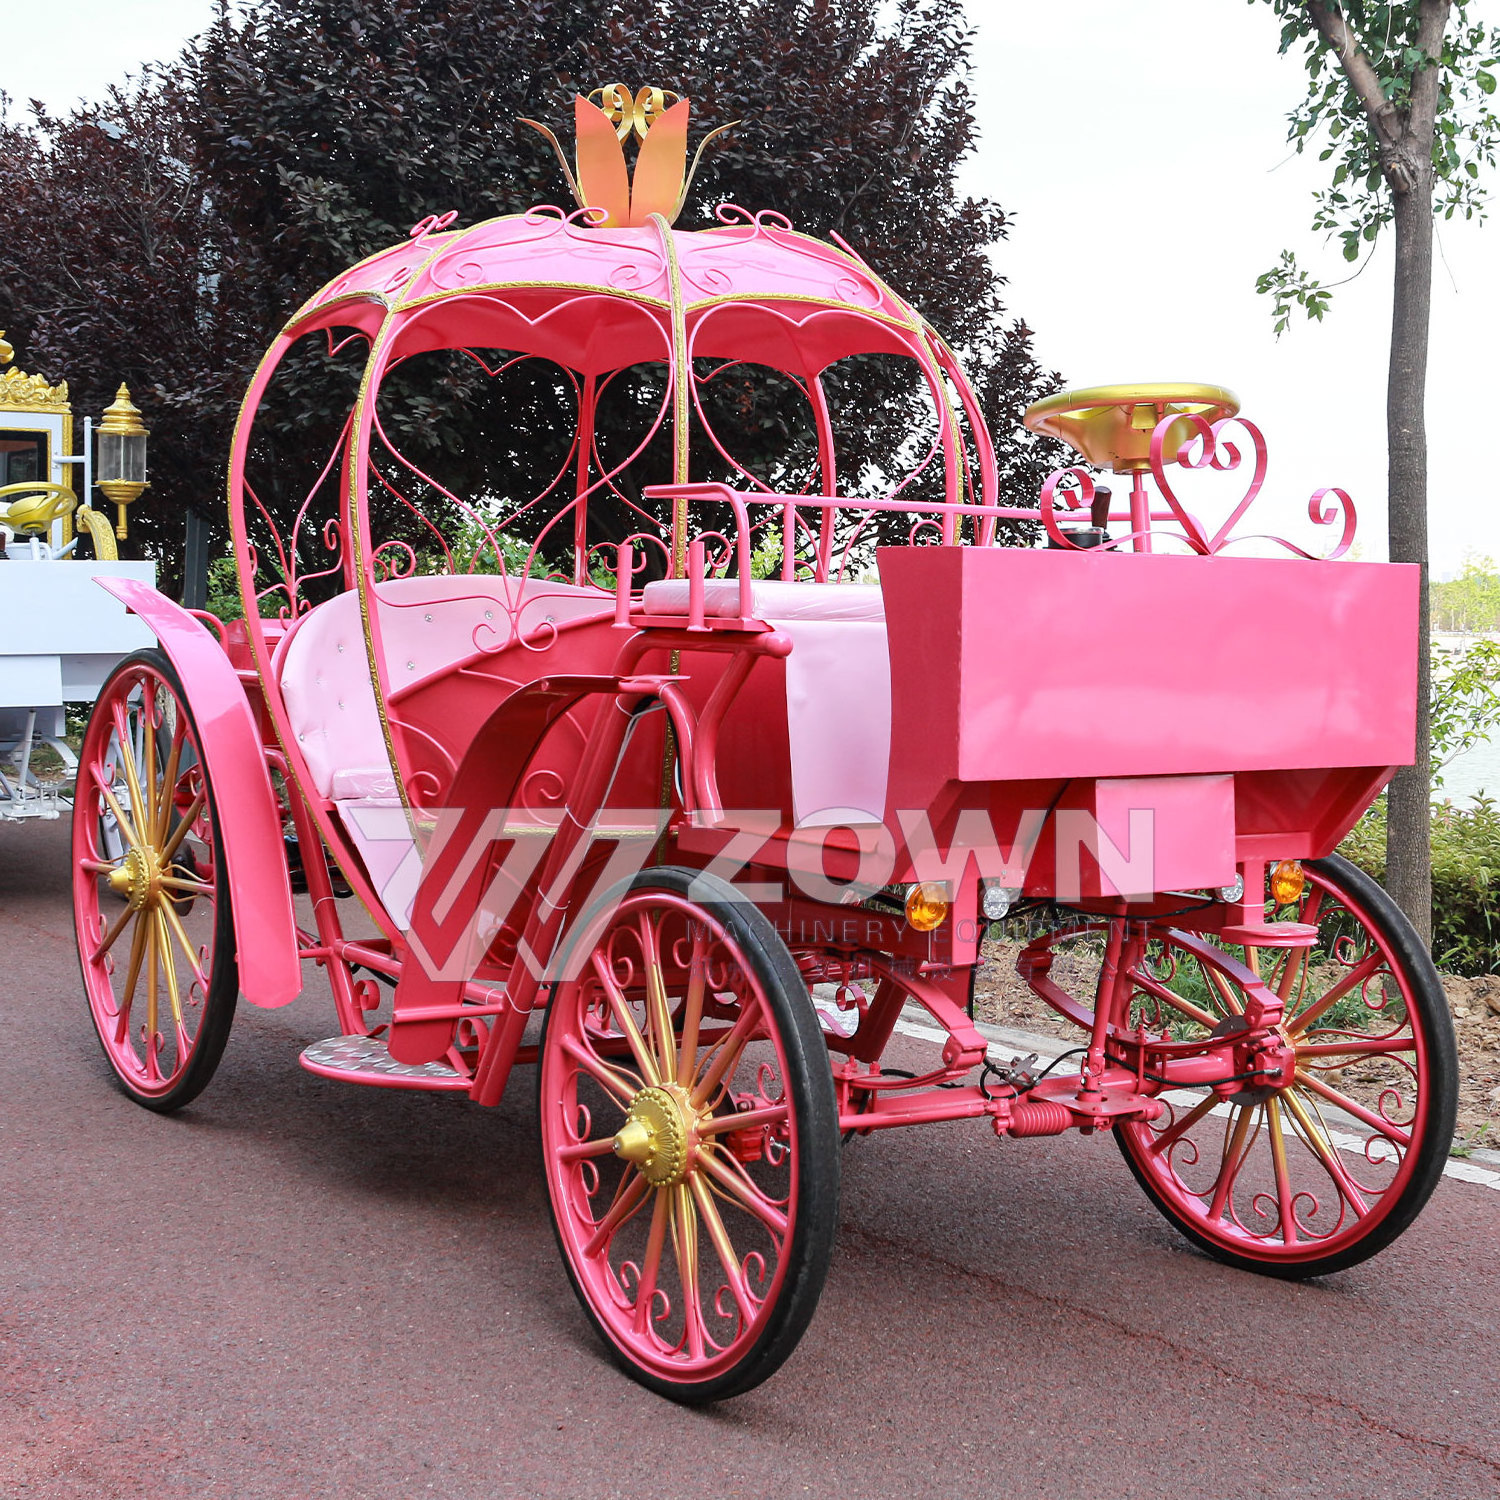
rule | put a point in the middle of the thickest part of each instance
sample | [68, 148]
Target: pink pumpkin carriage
[691, 840]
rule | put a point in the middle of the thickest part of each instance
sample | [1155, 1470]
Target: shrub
[1465, 880]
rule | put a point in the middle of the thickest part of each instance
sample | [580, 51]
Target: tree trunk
[1409, 820]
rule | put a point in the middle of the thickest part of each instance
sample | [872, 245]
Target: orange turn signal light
[1288, 881]
[927, 905]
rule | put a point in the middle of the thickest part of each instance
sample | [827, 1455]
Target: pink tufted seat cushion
[427, 625]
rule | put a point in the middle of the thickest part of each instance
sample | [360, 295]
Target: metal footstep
[364, 1059]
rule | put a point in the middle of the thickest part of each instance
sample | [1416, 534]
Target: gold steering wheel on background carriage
[34, 517]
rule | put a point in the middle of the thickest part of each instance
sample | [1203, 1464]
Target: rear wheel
[689, 1134]
[152, 916]
[1326, 1171]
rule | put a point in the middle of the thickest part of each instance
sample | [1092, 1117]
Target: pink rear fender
[265, 928]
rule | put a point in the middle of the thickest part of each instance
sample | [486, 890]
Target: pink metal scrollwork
[1207, 447]
[1066, 492]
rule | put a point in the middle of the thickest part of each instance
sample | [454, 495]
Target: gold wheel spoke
[722, 1061]
[115, 929]
[629, 1196]
[620, 1007]
[171, 920]
[722, 1246]
[744, 1192]
[185, 886]
[180, 832]
[1298, 960]
[1293, 968]
[620, 1086]
[658, 1011]
[1324, 1150]
[1281, 965]
[153, 1001]
[1221, 987]
[661, 1212]
[1365, 1116]
[127, 764]
[99, 866]
[685, 1246]
[169, 973]
[1174, 1132]
[1283, 1176]
[126, 827]
[1236, 1149]
[692, 1012]
[148, 762]
[132, 977]
[1356, 976]
[168, 784]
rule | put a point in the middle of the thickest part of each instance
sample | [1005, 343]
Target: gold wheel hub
[138, 878]
[657, 1134]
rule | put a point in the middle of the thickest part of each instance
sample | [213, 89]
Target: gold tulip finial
[602, 180]
[6, 352]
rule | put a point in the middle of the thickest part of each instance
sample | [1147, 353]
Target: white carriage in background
[60, 634]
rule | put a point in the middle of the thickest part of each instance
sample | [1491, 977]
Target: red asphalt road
[301, 1289]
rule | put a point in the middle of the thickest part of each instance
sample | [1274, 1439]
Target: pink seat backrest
[427, 625]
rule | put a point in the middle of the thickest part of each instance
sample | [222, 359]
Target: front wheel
[689, 1134]
[150, 907]
[1320, 1174]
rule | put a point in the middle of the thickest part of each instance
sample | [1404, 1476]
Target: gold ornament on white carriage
[122, 455]
[36, 430]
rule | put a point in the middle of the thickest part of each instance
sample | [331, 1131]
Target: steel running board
[365, 1059]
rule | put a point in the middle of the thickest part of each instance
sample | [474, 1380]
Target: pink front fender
[265, 929]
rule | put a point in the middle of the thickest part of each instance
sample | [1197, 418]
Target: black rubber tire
[809, 1083]
[1430, 1013]
[223, 987]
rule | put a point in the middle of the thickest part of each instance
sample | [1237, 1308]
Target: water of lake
[1478, 771]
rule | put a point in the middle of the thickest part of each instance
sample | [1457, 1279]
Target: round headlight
[995, 900]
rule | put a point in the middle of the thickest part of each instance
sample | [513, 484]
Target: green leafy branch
[1365, 65]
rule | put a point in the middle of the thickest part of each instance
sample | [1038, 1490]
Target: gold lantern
[122, 454]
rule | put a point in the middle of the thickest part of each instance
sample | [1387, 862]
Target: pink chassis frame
[1290, 796]
[865, 947]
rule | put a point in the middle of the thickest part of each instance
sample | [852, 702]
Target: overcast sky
[1141, 151]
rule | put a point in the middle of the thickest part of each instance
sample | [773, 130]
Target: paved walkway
[302, 1290]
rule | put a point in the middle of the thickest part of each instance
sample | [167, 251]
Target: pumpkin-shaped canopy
[596, 300]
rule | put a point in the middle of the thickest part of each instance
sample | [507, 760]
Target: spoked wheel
[690, 1135]
[155, 933]
[1322, 1173]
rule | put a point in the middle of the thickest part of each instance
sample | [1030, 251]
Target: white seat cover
[838, 686]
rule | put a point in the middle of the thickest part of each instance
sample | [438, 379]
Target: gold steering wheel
[33, 517]
[1111, 425]
[53, 502]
